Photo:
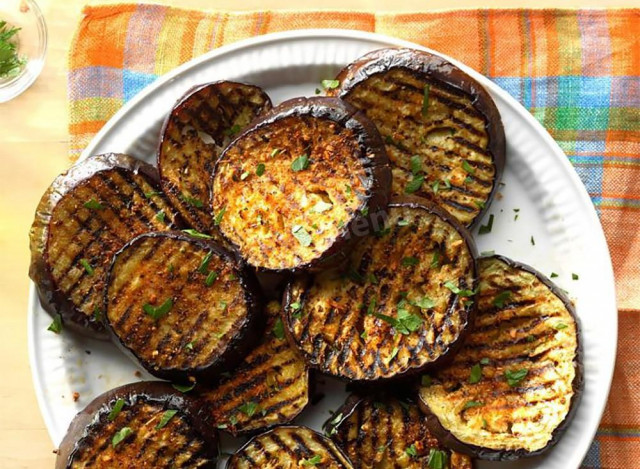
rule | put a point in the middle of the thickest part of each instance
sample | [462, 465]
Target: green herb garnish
[120, 436]
[244, 175]
[403, 222]
[467, 167]
[458, 291]
[183, 387]
[425, 303]
[500, 298]
[211, 277]
[197, 203]
[476, 374]
[484, 229]
[515, 377]
[409, 261]
[204, 265]
[533, 241]
[56, 324]
[160, 216]
[10, 62]
[156, 312]
[316, 459]
[575, 276]
[330, 84]
[437, 459]
[415, 184]
[115, 410]
[150, 194]
[248, 408]
[87, 266]
[471, 404]
[197, 234]
[278, 329]
[93, 204]
[416, 164]
[553, 275]
[560, 326]
[232, 130]
[300, 163]
[405, 323]
[218, 217]
[412, 451]
[484, 361]
[275, 151]
[168, 415]
[321, 206]
[260, 169]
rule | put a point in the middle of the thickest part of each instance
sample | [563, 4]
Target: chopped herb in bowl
[11, 63]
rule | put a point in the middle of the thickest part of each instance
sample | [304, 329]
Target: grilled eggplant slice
[513, 387]
[443, 132]
[292, 188]
[200, 125]
[386, 432]
[270, 387]
[145, 424]
[87, 214]
[182, 307]
[289, 447]
[400, 305]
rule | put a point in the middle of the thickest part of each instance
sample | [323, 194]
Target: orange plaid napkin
[578, 72]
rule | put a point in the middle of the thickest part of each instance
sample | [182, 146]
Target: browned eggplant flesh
[139, 425]
[443, 132]
[513, 387]
[386, 432]
[401, 304]
[287, 191]
[86, 215]
[182, 307]
[287, 448]
[200, 125]
[270, 387]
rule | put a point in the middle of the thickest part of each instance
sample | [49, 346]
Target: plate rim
[337, 34]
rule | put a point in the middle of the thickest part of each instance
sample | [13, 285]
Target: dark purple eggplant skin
[51, 298]
[376, 167]
[425, 63]
[450, 441]
[180, 103]
[406, 378]
[245, 338]
[150, 391]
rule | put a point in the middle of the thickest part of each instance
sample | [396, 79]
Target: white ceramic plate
[554, 209]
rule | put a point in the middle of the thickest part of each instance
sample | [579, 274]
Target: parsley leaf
[260, 169]
[248, 408]
[183, 387]
[515, 377]
[476, 374]
[484, 229]
[211, 277]
[409, 261]
[156, 312]
[120, 436]
[415, 184]
[93, 204]
[204, 265]
[501, 297]
[115, 410]
[196, 234]
[437, 459]
[56, 325]
[321, 206]
[316, 459]
[166, 416]
[218, 217]
[278, 329]
[330, 84]
[302, 235]
[87, 266]
[416, 164]
[471, 404]
[300, 163]
[458, 291]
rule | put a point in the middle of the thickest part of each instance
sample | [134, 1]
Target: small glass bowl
[31, 42]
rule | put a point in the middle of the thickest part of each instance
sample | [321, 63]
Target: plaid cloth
[578, 72]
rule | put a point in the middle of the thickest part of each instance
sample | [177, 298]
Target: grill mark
[285, 447]
[470, 128]
[301, 444]
[459, 206]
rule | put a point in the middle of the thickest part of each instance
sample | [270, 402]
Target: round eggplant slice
[384, 431]
[86, 215]
[182, 307]
[442, 130]
[146, 424]
[289, 191]
[514, 385]
[200, 125]
[401, 304]
[270, 387]
[289, 447]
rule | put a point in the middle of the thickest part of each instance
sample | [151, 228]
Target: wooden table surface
[33, 150]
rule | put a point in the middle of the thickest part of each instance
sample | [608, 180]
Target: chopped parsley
[302, 235]
[211, 277]
[393, 354]
[330, 84]
[11, 63]
[160, 216]
[316, 459]
[300, 163]
[467, 167]
[295, 306]
[183, 387]
[424, 303]
[204, 265]
[476, 374]
[515, 377]
[248, 408]
[484, 229]
[244, 175]
[156, 312]
[232, 130]
[405, 323]
[120, 436]
[415, 184]
[575, 276]
[150, 194]
[166, 416]
[437, 459]
[275, 152]
[403, 222]
[435, 186]
[553, 275]
[472, 404]
[115, 410]
[87, 266]
[458, 291]
[197, 203]
[278, 329]
[189, 346]
[425, 99]
[560, 326]
[484, 361]
[501, 297]
[533, 241]
[218, 217]
[196, 234]
[412, 451]
[410, 261]
[416, 164]
[56, 324]
[371, 309]
[435, 260]
[93, 204]
[260, 169]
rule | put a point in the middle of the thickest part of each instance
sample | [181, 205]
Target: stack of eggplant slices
[326, 235]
